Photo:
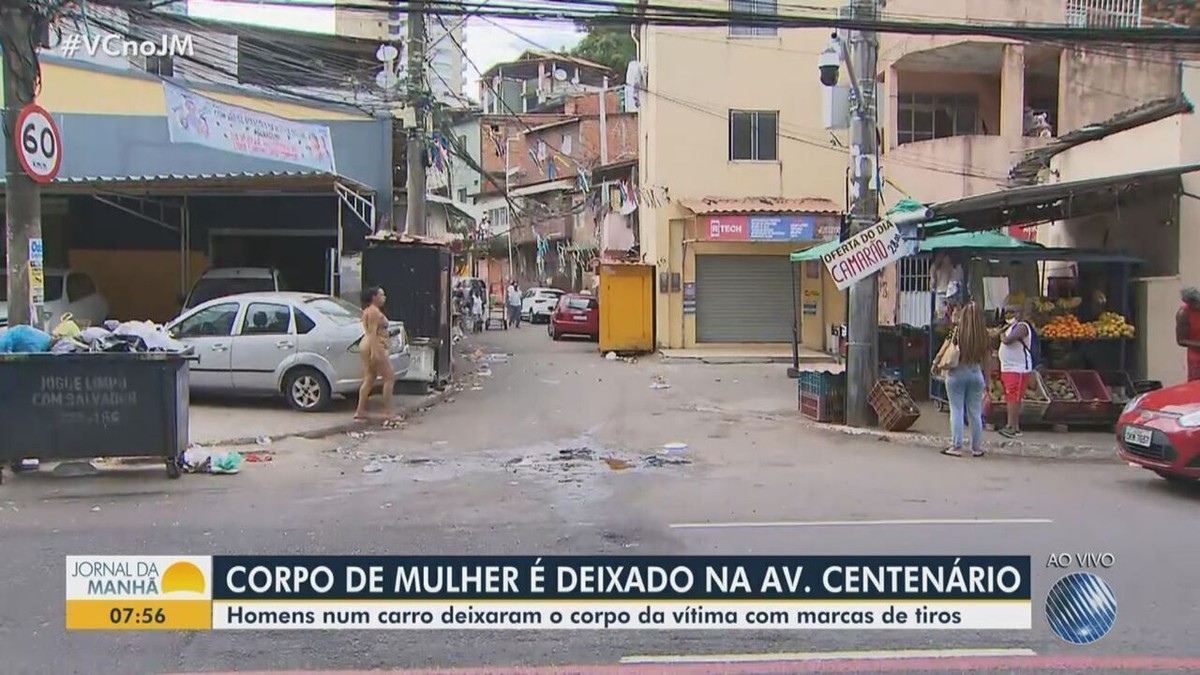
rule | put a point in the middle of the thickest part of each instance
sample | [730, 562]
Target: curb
[338, 428]
[1005, 448]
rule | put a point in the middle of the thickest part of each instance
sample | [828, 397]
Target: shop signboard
[864, 254]
[768, 227]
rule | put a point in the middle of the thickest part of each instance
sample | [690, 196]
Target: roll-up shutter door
[744, 298]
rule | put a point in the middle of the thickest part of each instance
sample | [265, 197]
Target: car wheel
[553, 333]
[1180, 480]
[307, 390]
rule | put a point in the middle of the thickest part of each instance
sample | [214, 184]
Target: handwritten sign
[864, 254]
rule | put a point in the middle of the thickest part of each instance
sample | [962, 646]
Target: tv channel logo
[1081, 608]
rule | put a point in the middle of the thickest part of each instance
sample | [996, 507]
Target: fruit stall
[1085, 333]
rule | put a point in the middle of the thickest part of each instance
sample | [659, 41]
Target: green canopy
[956, 238]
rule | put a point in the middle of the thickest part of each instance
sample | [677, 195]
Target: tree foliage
[610, 46]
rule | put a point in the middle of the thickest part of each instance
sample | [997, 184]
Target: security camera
[830, 63]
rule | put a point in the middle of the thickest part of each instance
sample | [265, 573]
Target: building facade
[736, 173]
[144, 214]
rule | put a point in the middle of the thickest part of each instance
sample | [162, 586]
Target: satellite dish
[386, 80]
[560, 75]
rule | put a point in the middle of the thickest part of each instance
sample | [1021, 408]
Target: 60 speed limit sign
[39, 145]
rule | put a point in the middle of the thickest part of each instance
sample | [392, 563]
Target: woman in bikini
[375, 353]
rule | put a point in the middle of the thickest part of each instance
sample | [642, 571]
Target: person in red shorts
[1187, 330]
[1016, 362]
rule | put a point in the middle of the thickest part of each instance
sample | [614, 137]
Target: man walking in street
[1187, 330]
[512, 298]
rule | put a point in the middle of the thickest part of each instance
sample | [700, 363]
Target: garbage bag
[146, 335]
[66, 328]
[226, 462]
[24, 339]
[69, 346]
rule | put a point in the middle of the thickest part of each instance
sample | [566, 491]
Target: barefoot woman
[375, 353]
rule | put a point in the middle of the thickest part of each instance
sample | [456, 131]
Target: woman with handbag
[962, 360]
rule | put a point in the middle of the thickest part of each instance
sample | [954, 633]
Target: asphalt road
[480, 474]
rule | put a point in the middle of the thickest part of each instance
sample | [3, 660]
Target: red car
[575, 315]
[1160, 431]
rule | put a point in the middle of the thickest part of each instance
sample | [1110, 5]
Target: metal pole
[415, 215]
[23, 201]
[604, 124]
[863, 354]
[512, 267]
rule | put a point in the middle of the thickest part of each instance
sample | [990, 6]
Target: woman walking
[963, 357]
[374, 353]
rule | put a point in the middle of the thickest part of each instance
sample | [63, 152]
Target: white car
[303, 346]
[67, 292]
[537, 304]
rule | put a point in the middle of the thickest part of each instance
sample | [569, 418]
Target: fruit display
[1060, 387]
[1068, 327]
[1113, 325]
[1033, 391]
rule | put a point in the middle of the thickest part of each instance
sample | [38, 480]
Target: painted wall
[683, 132]
[114, 123]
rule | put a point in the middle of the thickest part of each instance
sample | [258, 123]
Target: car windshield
[336, 310]
[549, 294]
[53, 287]
[581, 303]
[211, 289]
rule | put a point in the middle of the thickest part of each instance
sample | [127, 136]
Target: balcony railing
[1104, 13]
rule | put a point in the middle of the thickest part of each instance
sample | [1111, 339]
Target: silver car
[304, 346]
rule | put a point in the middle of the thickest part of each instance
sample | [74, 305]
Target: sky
[489, 41]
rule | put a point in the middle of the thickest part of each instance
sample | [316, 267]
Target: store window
[924, 117]
[753, 135]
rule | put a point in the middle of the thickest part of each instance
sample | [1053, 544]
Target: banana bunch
[1070, 304]
[1043, 305]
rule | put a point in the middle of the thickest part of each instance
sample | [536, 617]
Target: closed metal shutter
[744, 298]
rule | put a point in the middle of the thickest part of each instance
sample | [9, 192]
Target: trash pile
[203, 460]
[112, 337]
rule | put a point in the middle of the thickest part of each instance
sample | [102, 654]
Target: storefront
[737, 283]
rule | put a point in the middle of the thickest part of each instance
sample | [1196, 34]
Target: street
[549, 455]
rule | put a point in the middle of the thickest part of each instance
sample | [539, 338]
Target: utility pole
[415, 216]
[604, 124]
[23, 199]
[512, 215]
[862, 369]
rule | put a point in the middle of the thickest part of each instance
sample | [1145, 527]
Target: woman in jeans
[965, 383]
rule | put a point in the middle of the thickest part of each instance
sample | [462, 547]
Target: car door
[209, 331]
[265, 339]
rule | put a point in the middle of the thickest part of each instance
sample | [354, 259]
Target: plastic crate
[1091, 387]
[893, 405]
[827, 409]
[1063, 407]
[822, 383]
[1120, 390]
[1034, 403]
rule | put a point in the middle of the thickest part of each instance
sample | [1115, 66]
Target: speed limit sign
[39, 145]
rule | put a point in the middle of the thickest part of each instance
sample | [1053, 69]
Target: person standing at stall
[1016, 362]
[1187, 330]
[964, 357]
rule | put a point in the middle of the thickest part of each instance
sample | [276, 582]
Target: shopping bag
[66, 328]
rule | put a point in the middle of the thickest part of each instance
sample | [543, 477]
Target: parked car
[1160, 431]
[66, 292]
[303, 346]
[225, 281]
[575, 314]
[537, 304]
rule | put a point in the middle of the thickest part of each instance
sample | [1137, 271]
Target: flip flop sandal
[952, 452]
[978, 453]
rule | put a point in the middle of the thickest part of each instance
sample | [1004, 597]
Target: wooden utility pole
[23, 200]
[862, 369]
[415, 216]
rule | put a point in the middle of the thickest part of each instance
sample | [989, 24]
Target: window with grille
[769, 8]
[924, 117]
[1104, 13]
[753, 135]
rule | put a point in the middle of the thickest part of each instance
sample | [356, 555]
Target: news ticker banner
[532, 593]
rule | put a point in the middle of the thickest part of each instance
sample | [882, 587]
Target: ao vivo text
[1087, 561]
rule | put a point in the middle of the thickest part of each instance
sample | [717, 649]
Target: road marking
[831, 656]
[862, 523]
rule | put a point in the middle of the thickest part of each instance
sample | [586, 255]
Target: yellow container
[626, 308]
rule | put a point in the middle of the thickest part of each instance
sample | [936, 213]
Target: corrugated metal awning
[206, 183]
[736, 205]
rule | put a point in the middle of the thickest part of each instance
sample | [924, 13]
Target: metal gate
[744, 298]
[912, 300]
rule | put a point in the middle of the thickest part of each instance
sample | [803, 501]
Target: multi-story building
[445, 39]
[539, 82]
[958, 113]
[736, 173]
